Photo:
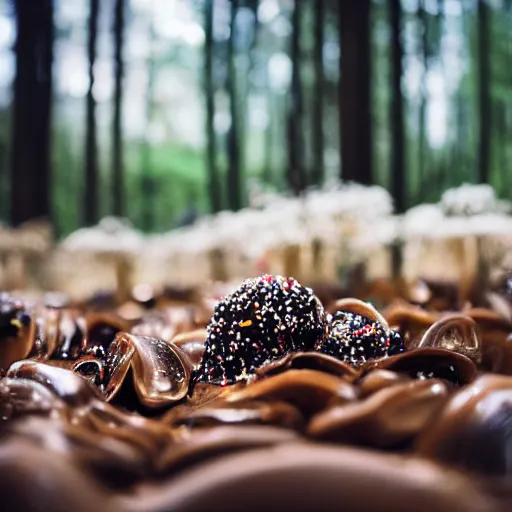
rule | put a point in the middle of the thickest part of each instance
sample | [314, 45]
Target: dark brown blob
[203, 444]
[309, 361]
[148, 435]
[70, 388]
[388, 417]
[203, 393]
[279, 414]
[101, 330]
[474, 430]
[305, 477]
[410, 321]
[35, 480]
[444, 295]
[426, 363]
[496, 344]
[174, 294]
[308, 390]
[112, 461]
[192, 343]
[379, 379]
[19, 397]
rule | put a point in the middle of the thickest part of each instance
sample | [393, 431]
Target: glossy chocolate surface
[115, 413]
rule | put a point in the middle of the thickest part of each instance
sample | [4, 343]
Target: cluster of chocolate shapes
[269, 317]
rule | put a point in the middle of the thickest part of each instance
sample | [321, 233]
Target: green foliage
[178, 178]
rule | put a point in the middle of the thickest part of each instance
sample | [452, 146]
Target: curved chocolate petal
[496, 344]
[19, 397]
[59, 487]
[70, 388]
[323, 363]
[47, 333]
[148, 435]
[280, 414]
[411, 321]
[486, 318]
[71, 339]
[115, 462]
[309, 390]
[455, 332]
[386, 418]
[204, 393]
[193, 344]
[424, 363]
[119, 358]
[161, 371]
[379, 379]
[310, 361]
[474, 430]
[108, 372]
[309, 477]
[202, 444]
[359, 307]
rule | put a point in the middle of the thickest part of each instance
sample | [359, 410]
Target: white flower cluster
[310, 237]
[437, 235]
[281, 237]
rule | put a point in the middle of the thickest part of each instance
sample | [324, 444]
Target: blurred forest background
[160, 110]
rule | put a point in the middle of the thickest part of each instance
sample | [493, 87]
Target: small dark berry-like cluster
[355, 339]
[263, 320]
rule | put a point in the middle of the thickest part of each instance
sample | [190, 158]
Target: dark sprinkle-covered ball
[264, 319]
[355, 339]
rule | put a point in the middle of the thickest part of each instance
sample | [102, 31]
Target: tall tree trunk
[296, 172]
[318, 104]
[500, 109]
[268, 162]
[147, 181]
[31, 131]
[398, 179]
[422, 122]
[355, 91]
[461, 160]
[90, 198]
[484, 98]
[211, 149]
[505, 163]
[4, 199]
[118, 206]
[234, 180]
